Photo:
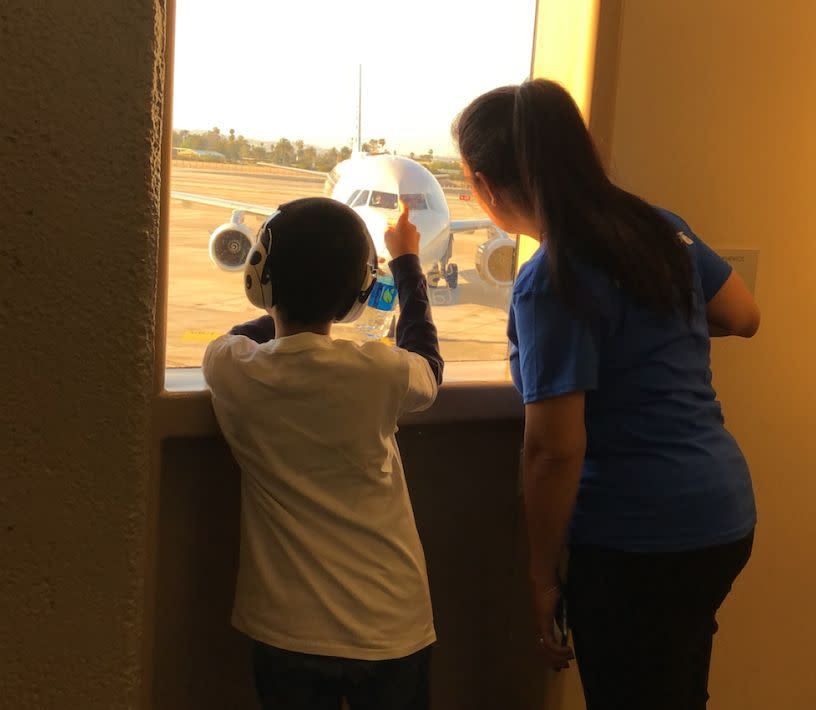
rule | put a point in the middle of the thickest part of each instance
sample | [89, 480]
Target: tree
[345, 153]
[244, 148]
[194, 141]
[307, 156]
[375, 145]
[212, 140]
[283, 152]
[327, 160]
[258, 153]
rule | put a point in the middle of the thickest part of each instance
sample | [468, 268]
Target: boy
[332, 585]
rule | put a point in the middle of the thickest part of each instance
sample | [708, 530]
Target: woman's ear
[486, 190]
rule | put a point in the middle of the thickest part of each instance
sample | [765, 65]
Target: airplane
[372, 186]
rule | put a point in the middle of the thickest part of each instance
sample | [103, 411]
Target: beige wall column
[79, 166]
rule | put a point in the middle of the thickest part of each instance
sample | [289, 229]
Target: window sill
[473, 391]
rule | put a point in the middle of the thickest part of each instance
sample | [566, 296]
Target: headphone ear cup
[257, 280]
[369, 279]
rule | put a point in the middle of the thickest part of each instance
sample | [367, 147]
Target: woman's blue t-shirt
[661, 472]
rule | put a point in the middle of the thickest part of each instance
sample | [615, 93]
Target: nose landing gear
[443, 278]
[452, 275]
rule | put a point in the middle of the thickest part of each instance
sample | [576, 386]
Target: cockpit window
[362, 199]
[352, 196]
[384, 200]
[415, 201]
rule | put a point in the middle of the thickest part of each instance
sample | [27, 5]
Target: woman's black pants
[642, 623]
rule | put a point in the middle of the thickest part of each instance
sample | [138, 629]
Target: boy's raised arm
[416, 331]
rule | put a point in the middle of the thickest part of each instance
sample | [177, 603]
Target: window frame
[178, 390]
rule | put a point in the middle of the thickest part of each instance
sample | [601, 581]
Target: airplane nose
[377, 223]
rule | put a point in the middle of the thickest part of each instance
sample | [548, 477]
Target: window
[266, 118]
[361, 200]
[415, 202]
[384, 200]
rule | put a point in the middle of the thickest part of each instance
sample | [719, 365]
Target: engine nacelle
[495, 260]
[230, 244]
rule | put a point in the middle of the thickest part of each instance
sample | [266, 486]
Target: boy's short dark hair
[318, 257]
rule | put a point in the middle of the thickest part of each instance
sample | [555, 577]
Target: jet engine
[495, 259]
[230, 244]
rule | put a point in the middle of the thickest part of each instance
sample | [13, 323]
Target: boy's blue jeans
[286, 680]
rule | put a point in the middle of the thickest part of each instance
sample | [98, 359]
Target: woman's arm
[260, 330]
[733, 310]
[554, 447]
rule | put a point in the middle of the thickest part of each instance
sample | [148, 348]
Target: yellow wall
[714, 118]
[565, 46]
[565, 52]
[710, 110]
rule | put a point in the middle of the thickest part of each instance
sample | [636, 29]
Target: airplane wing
[469, 225]
[296, 171]
[233, 205]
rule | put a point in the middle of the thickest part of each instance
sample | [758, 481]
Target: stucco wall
[79, 185]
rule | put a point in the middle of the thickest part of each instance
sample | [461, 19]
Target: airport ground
[204, 301]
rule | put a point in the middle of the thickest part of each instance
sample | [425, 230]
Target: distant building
[190, 154]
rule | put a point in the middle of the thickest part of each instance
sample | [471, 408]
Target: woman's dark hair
[317, 260]
[530, 141]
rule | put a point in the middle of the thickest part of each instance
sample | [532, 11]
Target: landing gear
[444, 273]
[434, 276]
[440, 276]
[443, 279]
[452, 275]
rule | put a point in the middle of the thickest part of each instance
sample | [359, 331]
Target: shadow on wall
[463, 484]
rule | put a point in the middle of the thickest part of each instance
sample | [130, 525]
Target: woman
[626, 458]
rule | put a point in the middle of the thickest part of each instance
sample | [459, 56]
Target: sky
[274, 68]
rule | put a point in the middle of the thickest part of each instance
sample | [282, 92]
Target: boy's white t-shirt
[331, 562]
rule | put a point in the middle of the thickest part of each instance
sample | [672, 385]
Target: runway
[204, 302]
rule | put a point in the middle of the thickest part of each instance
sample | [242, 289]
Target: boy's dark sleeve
[415, 328]
[260, 330]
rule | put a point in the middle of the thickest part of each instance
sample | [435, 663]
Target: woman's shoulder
[534, 274]
[673, 219]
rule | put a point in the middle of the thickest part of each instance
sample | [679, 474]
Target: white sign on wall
[744, 262]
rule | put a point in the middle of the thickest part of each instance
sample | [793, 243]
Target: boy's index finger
[406, 212]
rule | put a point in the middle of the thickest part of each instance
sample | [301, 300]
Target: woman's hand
[402, 238]
[556, 654]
